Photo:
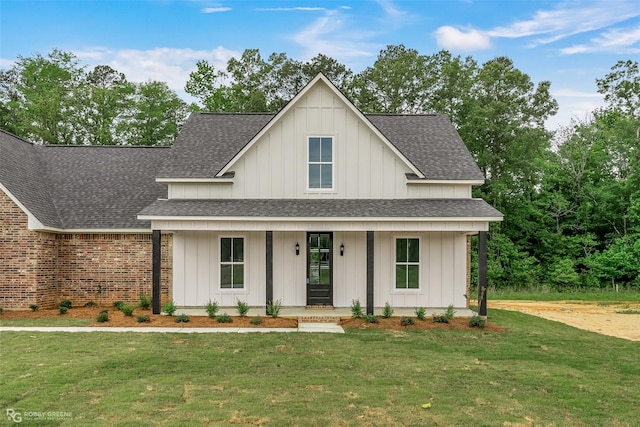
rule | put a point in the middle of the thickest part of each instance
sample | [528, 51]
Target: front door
[319, 269]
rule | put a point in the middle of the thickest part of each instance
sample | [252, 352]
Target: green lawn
[538, 373]
[542, 295]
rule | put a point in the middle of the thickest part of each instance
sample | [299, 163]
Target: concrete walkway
[302, 327]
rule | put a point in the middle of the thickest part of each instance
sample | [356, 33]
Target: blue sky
[570, 43]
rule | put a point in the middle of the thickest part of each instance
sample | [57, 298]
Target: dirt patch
[117, 318]
[605, 319]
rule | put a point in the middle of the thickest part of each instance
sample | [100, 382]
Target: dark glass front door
[319, 269]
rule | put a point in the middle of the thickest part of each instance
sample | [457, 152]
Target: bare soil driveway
[592, 316]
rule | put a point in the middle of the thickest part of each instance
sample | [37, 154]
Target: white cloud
[6, 63]
[291, 9]
[170, 65]
[619, 40]
[331, 35]
[215, 9]
[573, 104]
[569, 18]
[452, 38]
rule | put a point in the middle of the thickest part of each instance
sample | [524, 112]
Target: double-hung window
[407, 263]
[232, 263]
[320, 165]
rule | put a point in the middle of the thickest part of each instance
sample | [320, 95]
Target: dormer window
[320, 165]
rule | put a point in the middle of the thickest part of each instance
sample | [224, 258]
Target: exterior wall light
[342, 249]
[297, 248]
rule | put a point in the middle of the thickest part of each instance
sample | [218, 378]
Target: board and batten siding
[442, 269]
[276, 165]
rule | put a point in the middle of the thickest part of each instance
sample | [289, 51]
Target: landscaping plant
[145, 301]
[242, 307]
[103, 316]
[212, 309]
[421, 313]
[169, 307]
[356, 309]
[273, 308]
[127, 310]
[388, 311]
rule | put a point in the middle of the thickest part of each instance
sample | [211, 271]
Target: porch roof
[331, 209]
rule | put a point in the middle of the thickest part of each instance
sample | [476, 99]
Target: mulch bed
[118, 319]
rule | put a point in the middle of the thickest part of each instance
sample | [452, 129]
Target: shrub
[370, 318]
[224, 318]
[118, 304]
[142, 318]
[182, 318]
[421, 313]
[169, 307]
[1, 310]
[406, 321]
[440, 318]
[145, 301]
[127, 310]
[256, 320]
[65, 303]
[62, 309]
[90, 304]
[103, 316]
[212, 309]
[273, 308]
[33, 307]
[242, 307]
[356, 309]
[449, 312]
[388, 311]
[477, 322]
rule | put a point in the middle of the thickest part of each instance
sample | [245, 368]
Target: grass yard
[546, 295]
[538, 373]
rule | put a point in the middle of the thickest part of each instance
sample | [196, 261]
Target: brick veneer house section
[68, 227]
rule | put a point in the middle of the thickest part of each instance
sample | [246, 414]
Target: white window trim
[419, 264]
[333, 165]
[244, 263]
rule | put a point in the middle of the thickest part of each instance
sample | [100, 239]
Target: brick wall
[44, 268]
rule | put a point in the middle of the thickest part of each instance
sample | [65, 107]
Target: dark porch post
[369, 272]
[482, 273]
[269, 267]
[156, 270]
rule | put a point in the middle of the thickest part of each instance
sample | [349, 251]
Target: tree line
[571, 198]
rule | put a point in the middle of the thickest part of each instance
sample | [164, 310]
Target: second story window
[320, 162]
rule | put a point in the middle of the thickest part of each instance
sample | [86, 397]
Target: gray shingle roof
[323, 208]
[208, 141]
[82, 187]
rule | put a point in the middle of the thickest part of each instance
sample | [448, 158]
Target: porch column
[369, 272]
[156, 271]
[269, 268]
[482, 273]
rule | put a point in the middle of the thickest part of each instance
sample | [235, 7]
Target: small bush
[118, 304]
[421, 313]
[103, 316]
[388, 311]
[142, 319]
[242, 307]
[224, 318]
[273, 308]
[1, 310]
[182, 318]
[33, 307]
[370, 318]
[127, 310]
[477, 322]
[356, 309]
[440, 318]
[449, 312]
[212, 309]
[62, 309]
[90, 304]
[256, 321]
[65, 303]
[145, 301]
[406, 321]
[169, 307]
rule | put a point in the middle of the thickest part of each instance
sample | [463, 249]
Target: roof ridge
[19, 138]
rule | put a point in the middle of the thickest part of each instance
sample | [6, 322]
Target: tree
[39, 99]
